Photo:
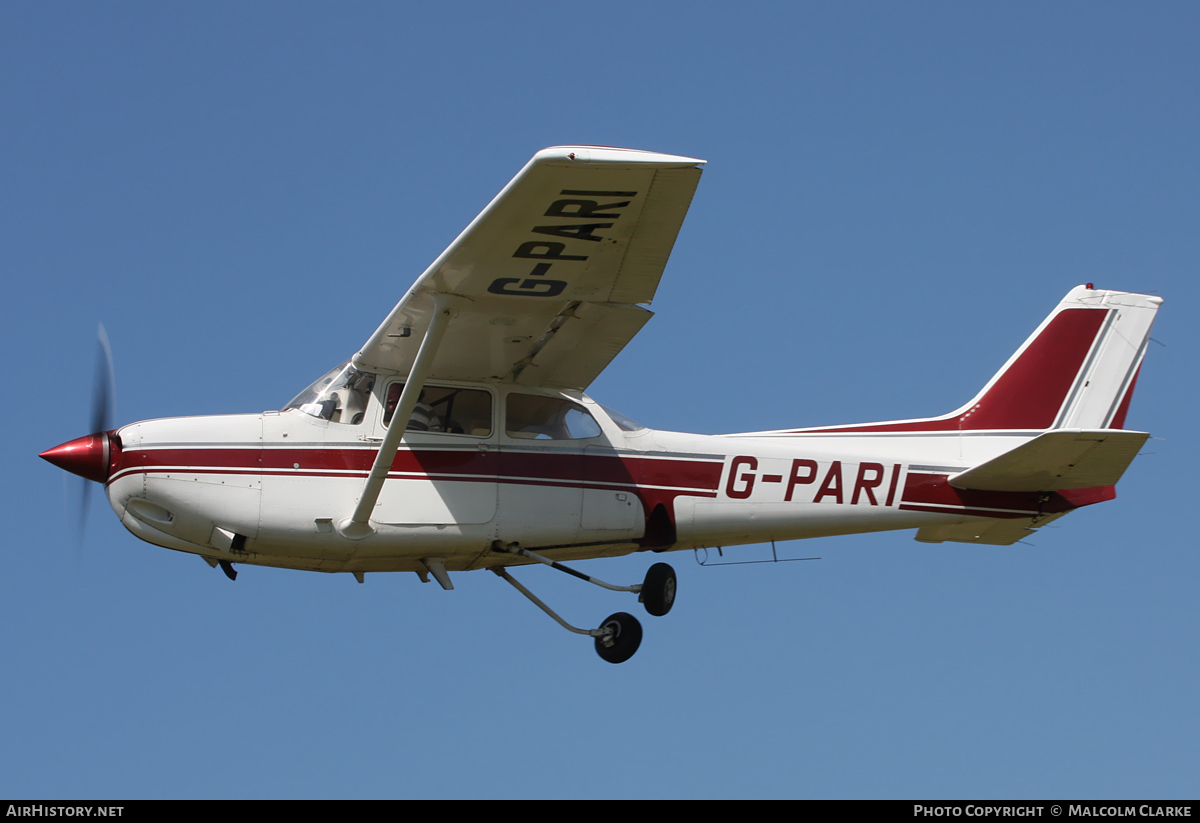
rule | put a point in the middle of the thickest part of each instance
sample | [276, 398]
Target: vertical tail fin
[1077, 370]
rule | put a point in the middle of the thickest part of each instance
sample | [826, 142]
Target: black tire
[658, 589]
[627, 636]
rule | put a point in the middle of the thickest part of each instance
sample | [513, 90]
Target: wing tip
[613, 155]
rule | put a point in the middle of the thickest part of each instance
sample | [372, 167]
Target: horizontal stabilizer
[988, 532]
[1057, 460]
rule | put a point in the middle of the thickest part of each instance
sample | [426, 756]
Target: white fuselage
[270, 488]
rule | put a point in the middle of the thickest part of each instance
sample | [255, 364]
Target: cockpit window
[441, 409]
[623, 422]
[536, 417]
[339, 396]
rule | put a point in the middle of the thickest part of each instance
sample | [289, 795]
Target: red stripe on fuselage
[562, 466]
[563, 469]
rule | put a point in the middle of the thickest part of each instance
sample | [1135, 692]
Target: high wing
[549, 278]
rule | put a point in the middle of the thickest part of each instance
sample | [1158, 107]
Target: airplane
[505, 461]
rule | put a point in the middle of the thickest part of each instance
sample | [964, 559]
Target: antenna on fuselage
[775, 558]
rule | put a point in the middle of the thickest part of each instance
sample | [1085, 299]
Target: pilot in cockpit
[423, 419]
[340, 396]
[351, 397]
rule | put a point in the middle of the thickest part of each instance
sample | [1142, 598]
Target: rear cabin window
[452, 411]
[535, 417]
[624, 423]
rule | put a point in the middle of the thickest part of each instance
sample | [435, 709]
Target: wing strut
[358, 525]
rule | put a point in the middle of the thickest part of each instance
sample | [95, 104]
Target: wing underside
[550, 279]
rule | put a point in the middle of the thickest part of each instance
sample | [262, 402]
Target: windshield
[340, 395]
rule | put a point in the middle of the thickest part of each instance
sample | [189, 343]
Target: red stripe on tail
[1029, 393]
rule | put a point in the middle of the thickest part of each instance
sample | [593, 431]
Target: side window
[534, 417]
[454, 411]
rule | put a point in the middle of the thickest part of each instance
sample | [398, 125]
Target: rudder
[1100, 396]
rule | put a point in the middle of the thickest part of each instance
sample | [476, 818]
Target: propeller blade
[85, 500]
[103, 402]
[103, 386]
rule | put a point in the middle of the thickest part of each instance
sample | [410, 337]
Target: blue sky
[896, 195]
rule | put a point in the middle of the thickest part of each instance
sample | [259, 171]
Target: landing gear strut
[620, 634]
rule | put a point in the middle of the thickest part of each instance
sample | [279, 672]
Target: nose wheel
[621, 638]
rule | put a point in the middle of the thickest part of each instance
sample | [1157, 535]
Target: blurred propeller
[103, 386]
[103, 402]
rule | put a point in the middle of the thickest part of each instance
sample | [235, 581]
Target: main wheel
[623, 642]
[658, 590]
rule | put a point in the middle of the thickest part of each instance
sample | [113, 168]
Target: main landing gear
[620, 634]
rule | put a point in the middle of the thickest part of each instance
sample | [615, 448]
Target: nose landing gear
[622, 638]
